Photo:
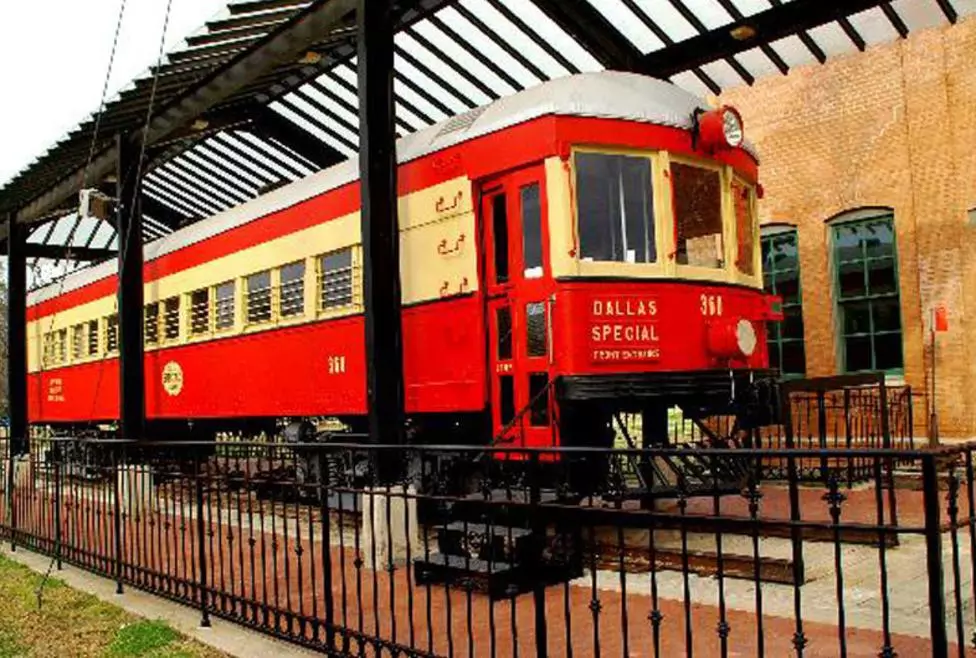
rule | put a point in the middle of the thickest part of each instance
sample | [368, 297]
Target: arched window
[865, 263]
[781, 276]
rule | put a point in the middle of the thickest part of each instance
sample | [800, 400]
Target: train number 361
[337, 365]
[711, 305]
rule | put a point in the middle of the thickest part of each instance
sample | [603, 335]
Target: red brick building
[869, 169]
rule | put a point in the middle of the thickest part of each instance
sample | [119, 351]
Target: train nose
[732, 339]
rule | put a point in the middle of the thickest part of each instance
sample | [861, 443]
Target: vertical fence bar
[58, 539]
[539, 538]
[933, 556]
[117, 514]
[201, 546]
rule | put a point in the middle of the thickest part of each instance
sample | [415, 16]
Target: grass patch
[72, 623]
[141, 639]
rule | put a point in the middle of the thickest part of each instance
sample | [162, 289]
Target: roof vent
[461, 122]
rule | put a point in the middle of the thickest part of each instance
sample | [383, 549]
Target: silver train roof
[605, 94]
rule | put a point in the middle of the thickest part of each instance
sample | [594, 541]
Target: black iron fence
[505, 552]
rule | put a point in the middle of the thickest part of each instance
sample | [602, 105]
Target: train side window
[615, 201]
[92, 337]
[535, 325]
[171, 318]
[745, 228]
[506, 392]
[499, 229]
[698, 216]
[151, 327]
[78, 341]
[335, 283]
[224, 306]
[531, 231]
[200, 311]
[47, 356]
[291, 297]
[112, 333]
[259, 297]
[503, 318]
[62, 346]
[539, 414]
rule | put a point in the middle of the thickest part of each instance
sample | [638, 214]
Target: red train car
[584, 247]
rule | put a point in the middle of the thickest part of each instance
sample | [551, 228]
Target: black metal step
[490, 542]
[497, 579]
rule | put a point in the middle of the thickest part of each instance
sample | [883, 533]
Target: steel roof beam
[766, 49]
[253, 6]
[58, 252]
[806, 39]
[594, 32]
[950, 12]
[517, 21]
[666, 39]
[895, 20]
[345, 141]
[162, 213]
[285, 45]
[696, 23]
[270, 123]
[852, 33]
[248, 34]
[434, 77]
[766, 26]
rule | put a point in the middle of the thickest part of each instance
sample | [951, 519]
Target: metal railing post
[201, 547]
[933, 556]
[539, 537]
[11, 486]
[58, 538]
[117, 515]
[326, 518]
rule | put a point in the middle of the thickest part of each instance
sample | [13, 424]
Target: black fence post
[539, 538]
[933, 555]
[11, 484]
[58, 538]
[201, 546]
[324, 476]
[117, 514]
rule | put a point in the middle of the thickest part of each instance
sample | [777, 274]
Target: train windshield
[622, 202]
[616, 208]
[699, 239]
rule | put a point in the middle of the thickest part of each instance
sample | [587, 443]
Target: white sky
[54, 55]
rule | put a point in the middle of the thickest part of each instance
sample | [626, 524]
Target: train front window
[615, 201]
[699, 241]
[745, 228]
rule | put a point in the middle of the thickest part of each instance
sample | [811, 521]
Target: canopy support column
[17, 333]
[132, 394]
[380, 225]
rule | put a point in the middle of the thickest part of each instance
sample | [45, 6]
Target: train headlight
[745, 337]
[719, 129]
[732, 127]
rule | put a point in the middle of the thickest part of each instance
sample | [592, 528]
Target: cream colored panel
[439, 259]
[66, 319]
[436, 203]
[562, 219]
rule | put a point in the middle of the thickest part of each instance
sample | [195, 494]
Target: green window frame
[867, 295]
[781, 276]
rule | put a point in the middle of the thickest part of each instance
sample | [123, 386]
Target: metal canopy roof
[267, 92]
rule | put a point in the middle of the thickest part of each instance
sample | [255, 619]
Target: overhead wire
[125, 233]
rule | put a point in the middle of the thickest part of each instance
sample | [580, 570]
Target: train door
[518, 286]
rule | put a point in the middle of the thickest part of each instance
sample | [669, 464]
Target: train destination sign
[624, 328]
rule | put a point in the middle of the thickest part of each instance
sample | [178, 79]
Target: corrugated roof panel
[668, 19]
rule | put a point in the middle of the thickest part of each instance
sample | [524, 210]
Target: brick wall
[892, 127]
